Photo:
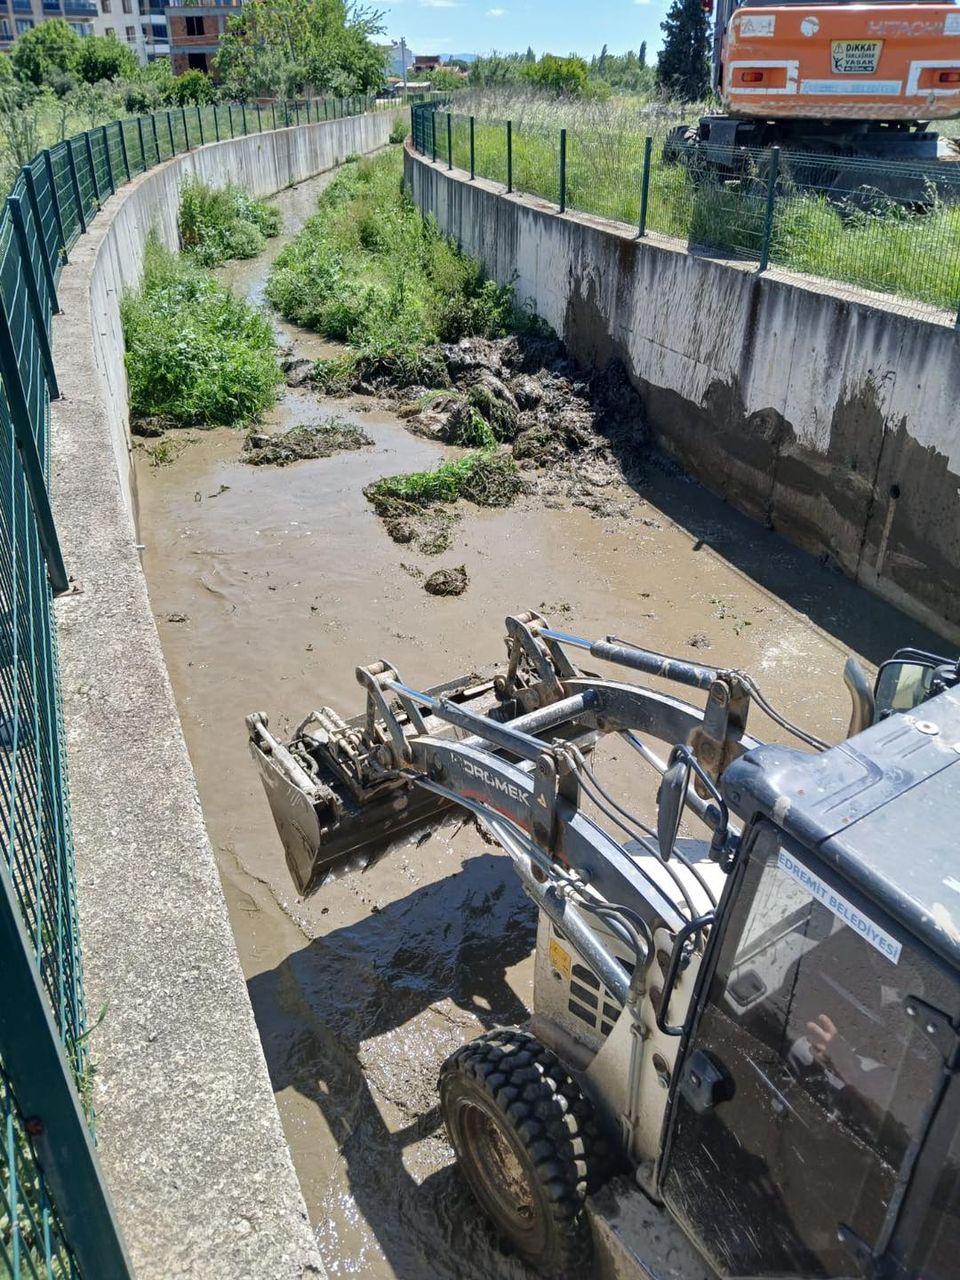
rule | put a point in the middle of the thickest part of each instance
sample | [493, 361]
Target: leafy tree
[193, 88]
[41, 54]
[602, 61]
[529, 56]
[284, 46]
[558, 75]
[105, 58]
[682, 69]
[642, 55]
[500, 68]
[443, 79]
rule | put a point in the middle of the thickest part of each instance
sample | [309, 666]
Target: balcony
[22, 6]
[79, 8]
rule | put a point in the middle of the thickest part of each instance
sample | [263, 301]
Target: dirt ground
[269, 586]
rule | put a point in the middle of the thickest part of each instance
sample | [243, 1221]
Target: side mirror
[901, 686]
[863, 710]
[671, 799]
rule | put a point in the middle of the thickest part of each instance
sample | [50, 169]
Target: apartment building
[85, 16]
[195, 32]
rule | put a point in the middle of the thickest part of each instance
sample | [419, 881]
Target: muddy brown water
[269, 586]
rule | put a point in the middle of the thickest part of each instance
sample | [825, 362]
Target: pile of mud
[305, 441]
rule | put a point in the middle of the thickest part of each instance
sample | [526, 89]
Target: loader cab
[814, 1120]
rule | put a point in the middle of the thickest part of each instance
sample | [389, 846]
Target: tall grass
[195, 354]
[368, 270]
[220, 223]
[908, 247]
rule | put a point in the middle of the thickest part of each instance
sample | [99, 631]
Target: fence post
[449, 143]
[296, 109]
[40, 501]
[433, 137]
[43, 1086]
[243, 117]
[93, 169]
[286, 114]
[28, 274]
[41, 238]
[186, 130]
[200, 124]
[230, 117]
[509, 156]
[772, 173]
[326, 106]
[105, 137]
[563, 170]
[75, 183]
[156, 136]
[259, 119]
[123, 150]
[645, 186]
[173, 145]
[473, 153]
[143, 146]
[273, 108]
[55, 202]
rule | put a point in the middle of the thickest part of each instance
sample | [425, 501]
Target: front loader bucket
[328, 821]
[330, 832]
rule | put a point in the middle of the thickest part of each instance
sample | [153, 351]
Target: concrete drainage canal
[269, 585]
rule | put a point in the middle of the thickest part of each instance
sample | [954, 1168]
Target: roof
[883, 808]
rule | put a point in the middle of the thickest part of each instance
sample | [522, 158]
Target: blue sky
[550, 26]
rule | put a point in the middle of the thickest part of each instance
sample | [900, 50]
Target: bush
[196, 355]
[399, 131]
[216, 225]
[368, 270]
[486, 477]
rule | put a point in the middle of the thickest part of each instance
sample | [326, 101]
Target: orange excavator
[843, 78]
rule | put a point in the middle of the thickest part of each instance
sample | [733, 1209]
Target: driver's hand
[822, 1034]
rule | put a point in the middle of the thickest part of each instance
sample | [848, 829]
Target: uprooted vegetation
[369, 271]
[195, 354]
[319, 440]
[217, 224]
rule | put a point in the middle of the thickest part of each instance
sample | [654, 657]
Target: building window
[197, 61]
[23, 24]
[159, 30]
[128, 6]
[131, 35]
[194, 26]
[82, 28]
[109, 31]
[5, 29]
[105, 5]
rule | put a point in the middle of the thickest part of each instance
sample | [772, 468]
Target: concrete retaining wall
[831, 416]
[189, 1134]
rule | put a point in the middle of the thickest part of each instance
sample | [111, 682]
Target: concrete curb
[189, 1134]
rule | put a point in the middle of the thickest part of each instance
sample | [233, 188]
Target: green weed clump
[217, 224]
[368, 270]
[485, 477]
[196, 355]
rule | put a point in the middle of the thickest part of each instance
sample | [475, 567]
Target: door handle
[705, 1082]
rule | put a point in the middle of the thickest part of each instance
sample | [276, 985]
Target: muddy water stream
[269, 586]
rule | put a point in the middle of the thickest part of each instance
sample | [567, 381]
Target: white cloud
[438, 4]
[641, 1]
[496, 13]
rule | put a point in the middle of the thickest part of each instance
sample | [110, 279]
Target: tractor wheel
[527, 1143]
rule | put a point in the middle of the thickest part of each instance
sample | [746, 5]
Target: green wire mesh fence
[55, 1218]
[890, 226]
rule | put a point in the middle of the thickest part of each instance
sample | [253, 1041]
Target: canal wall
[189, 1135]
[828, 414]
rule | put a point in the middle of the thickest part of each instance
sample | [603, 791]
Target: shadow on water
[837, 604]
[358, 1022]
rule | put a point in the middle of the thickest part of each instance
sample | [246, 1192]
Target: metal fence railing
[55, 1215]
[884, 225]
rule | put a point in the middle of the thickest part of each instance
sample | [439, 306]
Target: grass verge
[195, 354]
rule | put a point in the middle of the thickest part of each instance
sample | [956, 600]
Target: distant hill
[460, 57]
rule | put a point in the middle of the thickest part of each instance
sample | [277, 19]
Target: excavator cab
[756, 1028]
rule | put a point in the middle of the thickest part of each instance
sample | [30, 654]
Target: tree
[558, 75]
[529, 56]
[52, 49]
[193, 88]
[105, 58]
[682, 69]
[642, 55]
[602, 61]
[286, 46]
